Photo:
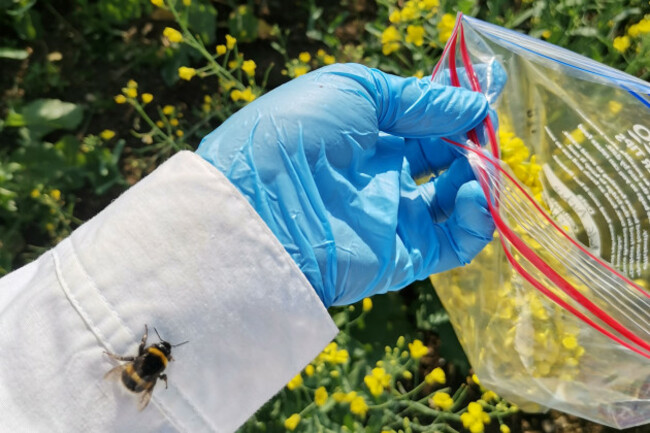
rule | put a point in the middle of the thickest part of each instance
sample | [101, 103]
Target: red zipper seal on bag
[508, 234]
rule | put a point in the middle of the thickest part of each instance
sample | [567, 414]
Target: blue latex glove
[323, 161]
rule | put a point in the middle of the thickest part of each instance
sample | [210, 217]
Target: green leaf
[202, 19]
[43, 116]
[13, 53]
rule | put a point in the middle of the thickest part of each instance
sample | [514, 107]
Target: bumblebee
[140, 373]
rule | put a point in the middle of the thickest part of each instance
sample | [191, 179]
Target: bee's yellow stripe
[133, 374]
[159, 354]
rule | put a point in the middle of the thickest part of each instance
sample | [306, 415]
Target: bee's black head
[164, 347]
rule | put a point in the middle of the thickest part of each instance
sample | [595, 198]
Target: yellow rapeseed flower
[186, 73]
[615, 107]
[304, 57]
[367, 304]
[295, 382]
[120, 99]
[442, 400]
[417, 349]
[446, 27]
[329, 59]
[475, 419]
[35, 193]
[292, 422]
[428, 4]
[249, 67]
[147, 98]
[107, 134]
[390, 40]
[168, 110]
[242, 95]
[419, 74]
[621, 43]
[410, 11]
[300, 70]
[320, 396]
[221, 50]
[407, 375]
[158, 3]
[56, 194]
[358, 406]
[570, 342]
[230, 42]
[415, 35]
[377, 381]
[132, 84]
[309, 370]
[172, 35]
[475, 379]
[437, 375]
[504, 428]
[130, 92]
[546, 34]
[395, 17]
[490, 396]
[187, 2]
[179, 133]
[640, 28]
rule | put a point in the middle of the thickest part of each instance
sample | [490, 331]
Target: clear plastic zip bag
[555, 312]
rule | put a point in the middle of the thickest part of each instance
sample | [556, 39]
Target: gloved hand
[323, 160]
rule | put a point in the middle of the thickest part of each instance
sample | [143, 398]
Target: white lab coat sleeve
[181, 251]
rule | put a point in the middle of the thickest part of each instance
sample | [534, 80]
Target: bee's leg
[144, 340]
[120, 358]
[163, 377]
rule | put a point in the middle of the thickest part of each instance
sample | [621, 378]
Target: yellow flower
[489, 396]
[390, 40]
[367, 304]
[159, 3]
[55, 193]
[358, 406]
[437, 375]
[570, 342]
[407, 375]
[504, 428]
[546, 34]
[428, 4]
[159, 123]
[640, 28]
[309, 370]
[35, 193]
[329, 59]
[132, 84]
[119, 99]
[249, 67]
[415, 35]
[179, 133]
[304, 57]
[475, 419]
[172, 35]
[187, 2]
[173, 122]
[186, 73]
[107, 134]
[295, 382]
[292, 422]
[221, 50]
[419, 74]
[475, 379]
[410, 11]
[417, 349]
[377, 381]
[445, 27]
[621, 43]
[320, 396]
[168, 110]
[395, 17]
[230, 42]
[147, 98]
[615, 107]
[245, 95]
[130, 92]
[300, 70]
[339, 397]
[442, 400]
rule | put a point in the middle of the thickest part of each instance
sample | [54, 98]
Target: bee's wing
[145, 398]
[115, 373]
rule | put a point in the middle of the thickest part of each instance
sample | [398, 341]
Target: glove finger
[467, 231]
[440, 193]
[429, 155]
